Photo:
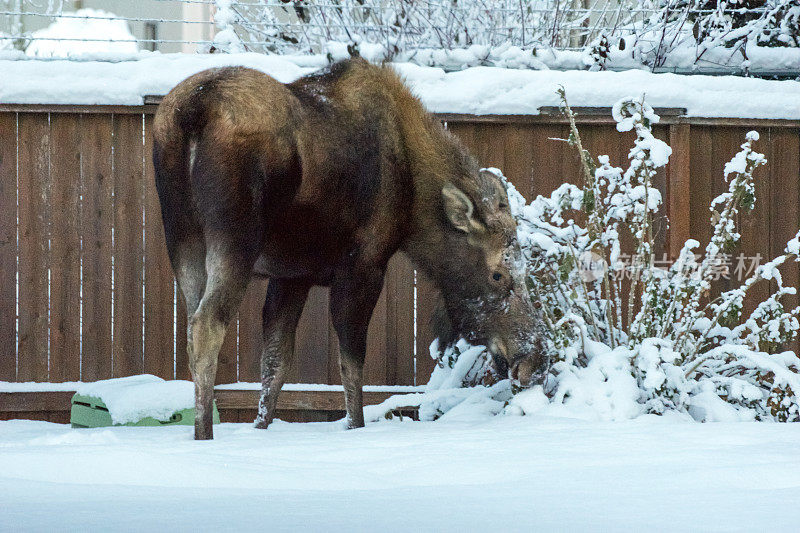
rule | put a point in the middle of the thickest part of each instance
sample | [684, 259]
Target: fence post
[8, 247]
[678, 183]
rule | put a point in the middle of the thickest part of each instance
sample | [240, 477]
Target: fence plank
[756, 231]
[334, 373]
[34, 190]
[678, 188]
[518, 158]
[427, 300]
[706, 184]
[227, 359]
[158, 278]
[65, 247]
[250, 331]
[754, 225]
[784, 177]
[181, 355]
[128, 246]
[97, 215]
[311, 353]
[702, 191]
[487, 145]
[465, 131]
[377, 361]
[711, 148]
[8, 246]
[400, 321]
[550, 158]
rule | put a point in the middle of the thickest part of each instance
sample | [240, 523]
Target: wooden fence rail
[87, 292]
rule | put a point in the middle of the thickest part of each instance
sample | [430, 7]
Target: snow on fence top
[478, 90]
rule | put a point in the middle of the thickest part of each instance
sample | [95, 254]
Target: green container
[91, 412]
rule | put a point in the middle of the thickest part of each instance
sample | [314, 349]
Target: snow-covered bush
[712, 32]
[628, 337]
[661, 329]
[403, 25]
[669, 34]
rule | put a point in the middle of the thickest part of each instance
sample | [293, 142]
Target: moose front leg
[282, 310]
[353, 297]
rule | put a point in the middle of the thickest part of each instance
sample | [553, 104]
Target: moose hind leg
[353, 299]
[190, 273]
[227, 277]
[282, 310]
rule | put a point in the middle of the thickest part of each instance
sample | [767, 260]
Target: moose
[318, 183]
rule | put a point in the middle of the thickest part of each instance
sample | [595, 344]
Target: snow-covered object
[459, 365]
[479, 90]
[446, 403]
[85, 31]
[596, 382]
[226, 38]
[454, 389]
[132, 398]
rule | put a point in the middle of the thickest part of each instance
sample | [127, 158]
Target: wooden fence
[86, 289]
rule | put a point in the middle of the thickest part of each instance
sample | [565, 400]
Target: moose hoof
[354, 424]
[261, 423]
[203, 433]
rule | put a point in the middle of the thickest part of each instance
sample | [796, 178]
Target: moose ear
[458, 207]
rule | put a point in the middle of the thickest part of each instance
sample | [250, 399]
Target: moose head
[473, 255]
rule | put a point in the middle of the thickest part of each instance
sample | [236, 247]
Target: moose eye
[497, 276]
[503, 205]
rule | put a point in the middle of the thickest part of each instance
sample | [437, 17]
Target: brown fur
[320, 182]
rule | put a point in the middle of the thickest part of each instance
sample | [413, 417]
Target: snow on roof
[71, 35]
[478, 90]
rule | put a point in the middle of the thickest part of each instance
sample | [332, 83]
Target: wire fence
[413, 24]
[58, 28]
[306, 25]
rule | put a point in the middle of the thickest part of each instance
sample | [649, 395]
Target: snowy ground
[490, 473]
